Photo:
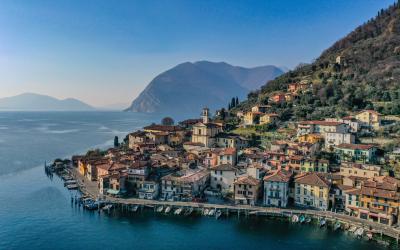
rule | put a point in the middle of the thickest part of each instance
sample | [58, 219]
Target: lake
[36, 212]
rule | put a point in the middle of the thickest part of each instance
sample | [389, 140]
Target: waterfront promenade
[90, 188]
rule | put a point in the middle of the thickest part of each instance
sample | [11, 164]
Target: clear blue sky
[105, 52]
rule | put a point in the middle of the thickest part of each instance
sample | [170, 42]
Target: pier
[90, 189]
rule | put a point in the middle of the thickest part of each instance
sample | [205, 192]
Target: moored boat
[160, 209]
[359, 232]
[188, 211]
[352, 229]
[167, 209]
[211, 212]
[178, 211]
[322, 222]
[218, 214]
[337, 226]
[302, 218]
[206, 211]
[308, 219]
[295, 218]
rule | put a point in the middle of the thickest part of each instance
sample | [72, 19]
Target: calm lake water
[36, 212]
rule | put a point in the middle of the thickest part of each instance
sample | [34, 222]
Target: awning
[112, 191]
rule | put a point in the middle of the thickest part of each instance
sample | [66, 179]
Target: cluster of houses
[197, 157]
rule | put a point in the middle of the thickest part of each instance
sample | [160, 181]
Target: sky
[105, 52]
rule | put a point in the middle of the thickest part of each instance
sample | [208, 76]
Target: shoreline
[380, 233]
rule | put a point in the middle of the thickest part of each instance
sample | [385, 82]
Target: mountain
[359, 71]
[188, 87]
[36, 102]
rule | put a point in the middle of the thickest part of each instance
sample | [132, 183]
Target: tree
[116, 142]
[167, 121]
[233, 102]
[222, 112]
[237, 101]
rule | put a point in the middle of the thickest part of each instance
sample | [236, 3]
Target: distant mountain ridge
[37, 102]
[187, 87]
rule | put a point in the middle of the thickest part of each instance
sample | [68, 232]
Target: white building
[276, 189]
[222, 177]
[334, 139]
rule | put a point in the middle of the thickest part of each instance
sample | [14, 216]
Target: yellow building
[312, 190]
[252, 118]
[370, 118]
[380, 200]
[204, 132]
[268, 118]
[310, 138]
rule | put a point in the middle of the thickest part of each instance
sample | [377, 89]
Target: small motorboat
[218, 214]
[92, 206]
[135, 208]
[352, 229]
[308, 219]
[211, 212]
[72, 186]
[167, 209]
[369, 235]
[359, 232]
[302, 218]
[70, 182]
[322, 222]
[178, 211]
[337, 226]
[107, 207]
[205, 212]
[295, 219]
[160, 209]
[189, 211]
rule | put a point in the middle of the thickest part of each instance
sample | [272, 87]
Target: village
[320, 166]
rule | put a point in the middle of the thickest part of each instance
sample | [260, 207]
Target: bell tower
[205, 115]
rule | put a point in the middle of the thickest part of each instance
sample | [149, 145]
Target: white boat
[107, 207]
[72, 186]
[369, 235]
[295, 218]
[352, 229]
[359, 232]
[160, 209]
[205, 211]
[178, 211]
[211, 212]
[167, 210]
[218, 214]
[135, 208]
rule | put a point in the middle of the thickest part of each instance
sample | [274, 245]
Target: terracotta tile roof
[322, 123]
[227, 151]
[278, 176]
[356, 146]
[224, 167]
[163, 128]
[247, 180]
[314, 179]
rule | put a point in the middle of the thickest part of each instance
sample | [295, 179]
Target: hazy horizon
[103, 53]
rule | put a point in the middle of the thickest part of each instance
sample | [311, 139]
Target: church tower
[205, 115]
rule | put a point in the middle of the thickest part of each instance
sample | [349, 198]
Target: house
[246, 190]
[369, 118]
[310, 138]
[380, 200]
[92, 168]
[230, 140]
[278, 146]
[137, 137]
[271, 118]
[227, 156]
[312, 190]
[137, 173]
[353, 123]
[352, 201]
[188, 124]
[205, 131]
[278, 97]
[365, 153]
[260, 108]
[252, 118]
[149, 190]
[185, 184]
[276, 188]
[334, 139]
[222, 177]
[321, 127]
[117, 184]
[314, 165]
[360, 170]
